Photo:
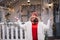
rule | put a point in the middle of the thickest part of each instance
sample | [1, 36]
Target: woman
[34, 28]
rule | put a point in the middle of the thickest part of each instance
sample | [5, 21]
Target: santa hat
[35, 13]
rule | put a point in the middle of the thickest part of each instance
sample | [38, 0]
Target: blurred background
[22, 9]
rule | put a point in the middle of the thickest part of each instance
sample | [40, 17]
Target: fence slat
[18, 32]
[7, 32]
[12, 32]
[3, 32]
[16, 29]
[21, 36]
[0, 31]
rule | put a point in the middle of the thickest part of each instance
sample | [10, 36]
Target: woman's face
[33, 17]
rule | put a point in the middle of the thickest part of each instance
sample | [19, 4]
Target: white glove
[16, 18]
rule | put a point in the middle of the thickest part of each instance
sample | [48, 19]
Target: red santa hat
[35, 13]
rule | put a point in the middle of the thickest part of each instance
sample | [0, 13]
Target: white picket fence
[11, 31]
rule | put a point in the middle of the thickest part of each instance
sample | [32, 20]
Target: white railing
[11, 31]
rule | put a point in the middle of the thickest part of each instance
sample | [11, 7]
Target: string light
[51, 4]
[28, 1]
[48, 5]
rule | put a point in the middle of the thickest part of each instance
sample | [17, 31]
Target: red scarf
[34, 31]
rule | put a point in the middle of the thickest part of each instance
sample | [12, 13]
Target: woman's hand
[51, 18]
[16, 18]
